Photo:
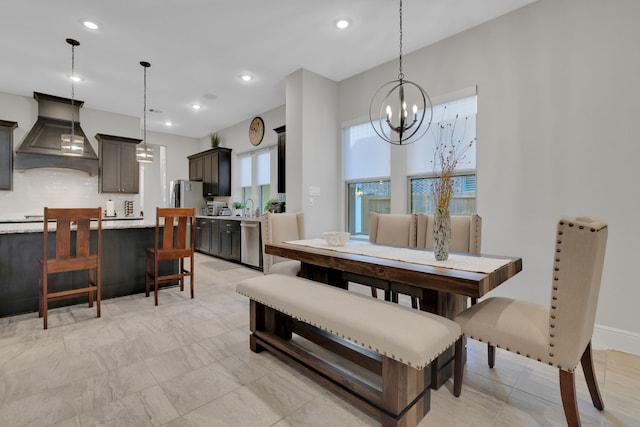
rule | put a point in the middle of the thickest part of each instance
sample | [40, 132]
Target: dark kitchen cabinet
[203, 235]
[208, 236]
[214, 245]
[282, 145]
[195, 167]
[213, 168]
[119, 170]
[6, 154]
[230, 240]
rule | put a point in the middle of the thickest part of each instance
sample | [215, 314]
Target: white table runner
[471, 263]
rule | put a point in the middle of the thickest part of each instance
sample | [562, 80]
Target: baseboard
[605, 337]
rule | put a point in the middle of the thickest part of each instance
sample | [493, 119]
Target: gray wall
[557, 104]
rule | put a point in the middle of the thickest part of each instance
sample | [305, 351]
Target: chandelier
[388, 112]
[144, 154]
[70, 143]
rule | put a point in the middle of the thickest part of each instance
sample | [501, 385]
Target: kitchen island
[123, 262]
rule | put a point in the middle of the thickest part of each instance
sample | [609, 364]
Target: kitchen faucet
[246, 205]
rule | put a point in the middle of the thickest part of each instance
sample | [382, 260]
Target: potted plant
[239, 208]
[215, 140]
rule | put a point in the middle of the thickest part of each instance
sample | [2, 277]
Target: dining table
[443, 287]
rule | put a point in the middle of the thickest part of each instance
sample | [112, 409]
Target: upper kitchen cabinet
[119, 170]
[6, 154]
[213, 168]
[282, 157]
[195, 167]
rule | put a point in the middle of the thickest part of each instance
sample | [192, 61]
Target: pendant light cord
[144, 117]
[145, 65]
[400, 75]
[73, 44]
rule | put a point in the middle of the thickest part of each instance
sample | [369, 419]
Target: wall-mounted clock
[256, 130]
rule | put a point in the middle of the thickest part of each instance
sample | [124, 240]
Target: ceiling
[199, 48]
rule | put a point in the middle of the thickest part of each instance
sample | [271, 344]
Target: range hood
[41, 146]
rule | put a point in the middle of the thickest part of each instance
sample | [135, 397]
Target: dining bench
[371, 352]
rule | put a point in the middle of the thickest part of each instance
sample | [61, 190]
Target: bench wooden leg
[401, 386]
[263, 318]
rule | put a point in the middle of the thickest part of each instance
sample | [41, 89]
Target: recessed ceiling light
[75, 78]
[246, 77]
[90, 24]
[168, 123]
[343, 23]
[196, 106]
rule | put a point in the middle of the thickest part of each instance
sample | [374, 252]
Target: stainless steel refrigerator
[187, 194]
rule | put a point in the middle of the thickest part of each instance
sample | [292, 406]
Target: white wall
[322, 145]
[557, 99]
[34, 189]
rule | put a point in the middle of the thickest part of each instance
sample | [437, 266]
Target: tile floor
[187, 363]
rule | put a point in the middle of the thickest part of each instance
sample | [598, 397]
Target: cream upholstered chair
[466, 236]
[558, 335]
[280, 227]
[466, 233]
[387, 229]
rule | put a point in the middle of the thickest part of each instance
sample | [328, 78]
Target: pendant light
[388, 109]
[70, 143]
[144, 154]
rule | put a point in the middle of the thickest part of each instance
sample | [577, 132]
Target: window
[420, 160]
[255, 178]
[368, 170]
[263, 181]
[462, 203]
[367, 167]
[365, 197]
[245, 177]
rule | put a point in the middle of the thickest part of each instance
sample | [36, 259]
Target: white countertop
[232, 218]
[32, 226]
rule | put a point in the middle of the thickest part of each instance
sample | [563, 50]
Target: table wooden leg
[446, 305]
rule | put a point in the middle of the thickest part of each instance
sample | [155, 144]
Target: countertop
[232, 218]
[34, 224]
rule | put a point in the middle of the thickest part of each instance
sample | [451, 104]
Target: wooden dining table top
[451, 280]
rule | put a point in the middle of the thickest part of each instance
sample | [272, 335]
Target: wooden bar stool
[82, 256]
[174, 240]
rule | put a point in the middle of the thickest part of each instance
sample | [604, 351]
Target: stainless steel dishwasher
[250, 244]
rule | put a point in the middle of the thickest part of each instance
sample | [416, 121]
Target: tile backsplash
[34, 189]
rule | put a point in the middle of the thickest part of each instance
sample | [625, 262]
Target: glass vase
[441, 233]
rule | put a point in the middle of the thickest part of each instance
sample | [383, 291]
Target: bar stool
[67, 258]
[174, 240]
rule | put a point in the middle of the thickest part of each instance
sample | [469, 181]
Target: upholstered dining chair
[174, 241]
[276, 228]
[560, 334]
[466, 236]
[386, 229]
[71, 254]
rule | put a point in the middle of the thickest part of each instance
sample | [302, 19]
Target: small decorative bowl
[336, 238]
